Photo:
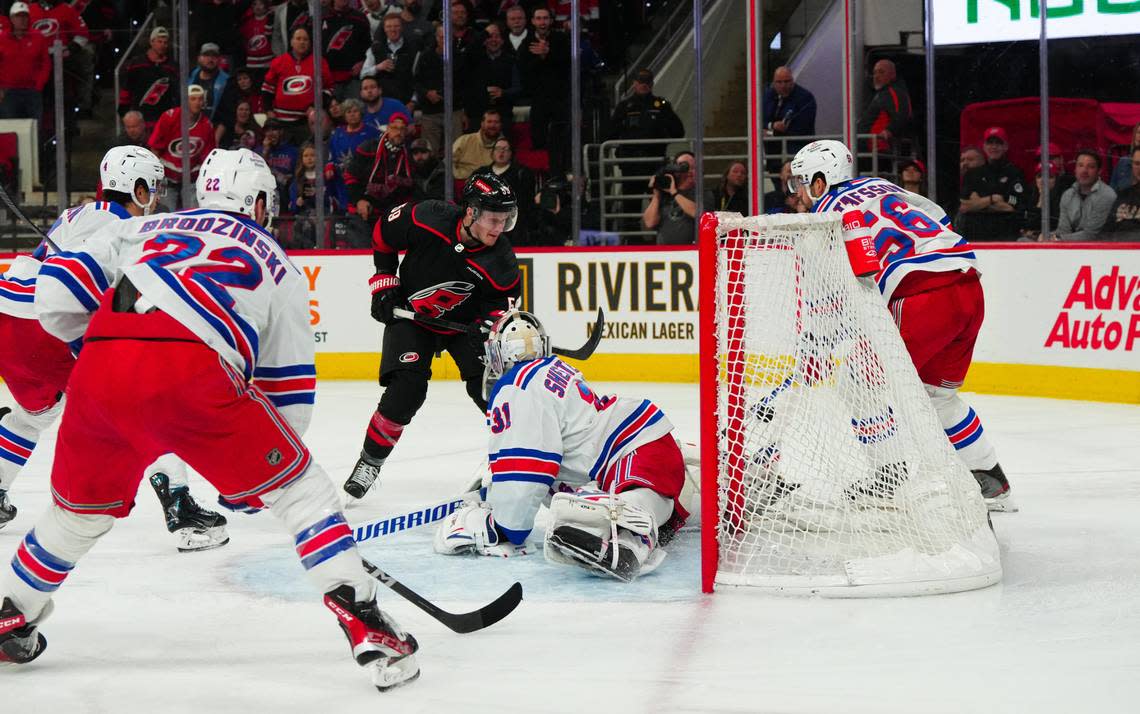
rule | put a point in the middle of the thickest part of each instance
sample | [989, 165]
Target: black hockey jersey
[150, 87]
[439, 276]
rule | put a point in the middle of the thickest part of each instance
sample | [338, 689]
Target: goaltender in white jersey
[613, 468]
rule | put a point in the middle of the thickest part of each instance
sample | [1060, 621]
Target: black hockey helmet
[487, 193]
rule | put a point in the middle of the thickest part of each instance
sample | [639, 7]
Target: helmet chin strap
[471, 241]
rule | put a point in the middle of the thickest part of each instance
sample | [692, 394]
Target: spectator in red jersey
[347, 37]
[288, 89]
[379, 176]
[256, 29]
[390, 60]
[57, 19]
[150, 81]
[24, 67]
[888, 115]
[166, 140]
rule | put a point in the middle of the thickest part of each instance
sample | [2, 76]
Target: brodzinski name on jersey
[439, 276]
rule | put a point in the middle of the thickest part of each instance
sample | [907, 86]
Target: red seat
[537, 160]
[9, 158]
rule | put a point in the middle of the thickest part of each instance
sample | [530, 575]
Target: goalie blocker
[607, 466]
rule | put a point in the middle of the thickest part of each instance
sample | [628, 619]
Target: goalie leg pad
[609, 534]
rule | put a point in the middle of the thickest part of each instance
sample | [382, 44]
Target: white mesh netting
[835, 476]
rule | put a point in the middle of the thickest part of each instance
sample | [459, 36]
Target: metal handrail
[123, 60]
[866, 155]
[665, 39]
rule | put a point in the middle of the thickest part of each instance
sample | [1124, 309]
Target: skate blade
[388, 674]
[587, 560]
[1001, 504]
[191, 540]
[41, 645]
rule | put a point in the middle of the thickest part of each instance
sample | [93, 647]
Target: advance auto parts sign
[1101, 312]
[963, 22]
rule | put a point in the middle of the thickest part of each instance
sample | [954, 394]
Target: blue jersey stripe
[293, 370]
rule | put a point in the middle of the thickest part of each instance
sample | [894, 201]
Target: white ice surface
[141, 628]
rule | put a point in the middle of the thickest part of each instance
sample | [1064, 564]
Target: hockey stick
[24, 217]
[457, 622]
[423, 516]
[581, 353]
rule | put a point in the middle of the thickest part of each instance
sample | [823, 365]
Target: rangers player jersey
[219, 274]
[912, 234]
[549, 428]
[70, 231]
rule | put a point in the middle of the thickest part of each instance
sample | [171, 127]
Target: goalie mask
[516, 337]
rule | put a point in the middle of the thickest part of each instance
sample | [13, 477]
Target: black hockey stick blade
[23, 217]
[457, 622]
[438, 322]
[587, 349]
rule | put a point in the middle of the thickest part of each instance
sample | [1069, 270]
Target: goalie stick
[24, 217]
[457, 622]
[582, 353]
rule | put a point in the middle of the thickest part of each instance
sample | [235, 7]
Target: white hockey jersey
[548, 429]
[911, 232]
[219, 274]
[71, 229]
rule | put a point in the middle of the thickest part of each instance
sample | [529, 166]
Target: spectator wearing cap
[642, 115]
[379, 109]
[150, 81]
[256, 29]
[24, 67]
[379, 175]
[888, 115]
[992, 197]
[210, 78]
[343, 143]
[912, 176]
[1123, 222]
[289, 89]
[522, 182]
[427, 172]
[390, 60]
[1031, 228]
[166, 140]
[1086, 205]
[789, 110]
[281, 156]
[1057, 160]
[473, 150]
[1122, 172]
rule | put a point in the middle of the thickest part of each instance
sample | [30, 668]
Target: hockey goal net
[825, 469]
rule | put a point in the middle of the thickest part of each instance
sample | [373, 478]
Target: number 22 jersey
[912, 234]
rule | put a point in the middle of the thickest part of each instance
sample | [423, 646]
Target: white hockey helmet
[515, 337]
[827, 158]
[123, 166]
[233, 180]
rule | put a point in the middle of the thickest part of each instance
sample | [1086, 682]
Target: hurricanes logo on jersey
[196, 144]
[299, 84]
[340, 39]
[439, 299]
[257, 43]
[47, 26]
[155, 92]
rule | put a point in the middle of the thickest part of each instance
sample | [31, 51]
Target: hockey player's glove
[385, 289]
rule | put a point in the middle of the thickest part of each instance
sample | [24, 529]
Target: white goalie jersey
[549, 430]
[218, 274]
[73, 227]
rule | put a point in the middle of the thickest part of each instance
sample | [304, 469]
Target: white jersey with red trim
[219, 274]
[69, 232]
[911, 232]
[548, 428]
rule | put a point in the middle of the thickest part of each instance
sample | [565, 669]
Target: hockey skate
[879, 490]
[377, 642]
[7, 510]
[196, 528]
[363, 476]
[20, 642]
[636, 554]
[995, 489]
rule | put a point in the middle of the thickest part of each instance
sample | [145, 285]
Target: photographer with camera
[673, 208]
[552, 218]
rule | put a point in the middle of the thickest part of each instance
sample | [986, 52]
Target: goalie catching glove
[471, 529]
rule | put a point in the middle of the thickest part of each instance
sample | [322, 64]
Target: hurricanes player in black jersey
[456, 266]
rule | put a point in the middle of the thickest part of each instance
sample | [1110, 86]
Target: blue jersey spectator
[342, 145]
[378, 110]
